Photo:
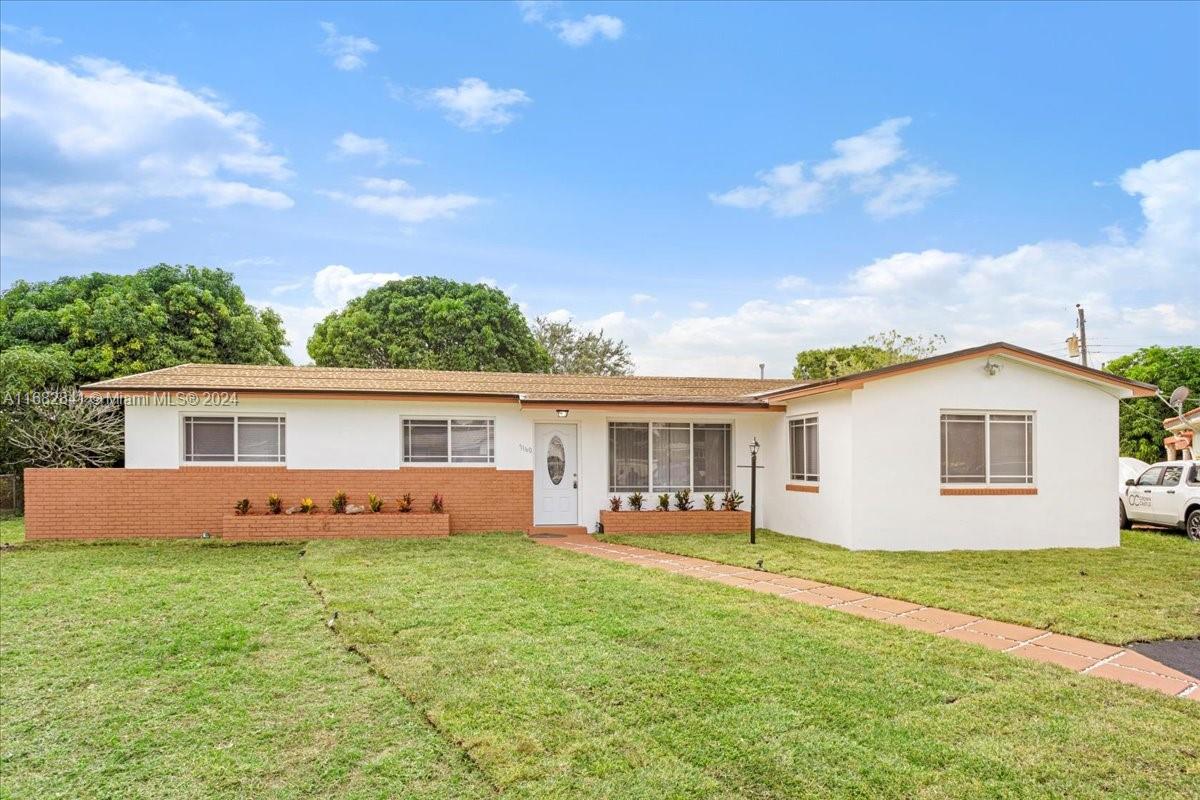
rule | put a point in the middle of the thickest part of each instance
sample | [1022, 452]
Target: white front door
[555, 476]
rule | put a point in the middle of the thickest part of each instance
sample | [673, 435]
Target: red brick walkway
[1079, 655]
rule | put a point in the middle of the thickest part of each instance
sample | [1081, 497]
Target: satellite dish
[1178, 396]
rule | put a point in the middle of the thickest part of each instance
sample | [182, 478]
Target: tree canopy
[879, 350]
[1141, 428]
[97, 326]
[429, 323]
[576, 352]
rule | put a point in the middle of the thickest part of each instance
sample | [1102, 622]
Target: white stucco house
[990, 447]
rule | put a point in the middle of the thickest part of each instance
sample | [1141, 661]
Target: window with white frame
[669, 456]
[987, 447]
[237, 439]
[448, 441]
[804, 449]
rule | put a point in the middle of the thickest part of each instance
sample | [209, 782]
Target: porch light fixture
[754, 447]
[562, 412]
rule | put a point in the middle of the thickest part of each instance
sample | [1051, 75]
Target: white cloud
[474, 105]
[347, 51]
[45, 238]
[33, 34]
[255, 261]
[385, 185]
[536, 10]
[871, 164]
[1137, 293]
[793, 283]
[394, 198]
[351, 144]
[783, 189]
[575, 32]
[641, 299]
[908, 191]
[486, 281]
[95, 138]
[290, 287]
[867, 153]
[578, 32]
[698, 305]
[336, 284]
[905, 271]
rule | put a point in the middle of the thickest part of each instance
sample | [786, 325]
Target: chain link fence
[11, 495]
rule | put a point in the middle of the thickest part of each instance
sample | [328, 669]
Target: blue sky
[719, 184]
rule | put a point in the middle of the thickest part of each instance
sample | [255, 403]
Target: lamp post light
[753, 485]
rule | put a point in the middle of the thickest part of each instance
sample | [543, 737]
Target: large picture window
[805, 451]
[238, 439]
[987, 447]
[669, 456]
[448, 441]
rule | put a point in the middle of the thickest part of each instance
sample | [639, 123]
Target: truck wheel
[1124, 516]
[1193, 525]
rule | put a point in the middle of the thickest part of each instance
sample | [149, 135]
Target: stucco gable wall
[897, 503]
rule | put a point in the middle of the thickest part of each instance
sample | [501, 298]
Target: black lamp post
[753, 485]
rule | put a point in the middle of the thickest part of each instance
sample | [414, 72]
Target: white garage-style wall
[897, 504]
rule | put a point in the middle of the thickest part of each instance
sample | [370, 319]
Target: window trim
[449, 420]
[282, 423]
[650, 487]
[986, 415]
[804, 478]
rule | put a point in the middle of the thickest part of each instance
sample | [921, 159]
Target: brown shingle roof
[527, 386]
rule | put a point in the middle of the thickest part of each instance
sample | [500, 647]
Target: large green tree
[581, 353]
[880, 350]
[429, 323]
[102, 326]
[1141, 428]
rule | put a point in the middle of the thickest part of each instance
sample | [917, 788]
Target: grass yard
[499, 666]
[1148, 588]
[176, 670]
[12, 528]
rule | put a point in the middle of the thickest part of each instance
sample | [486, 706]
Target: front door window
[556, 460]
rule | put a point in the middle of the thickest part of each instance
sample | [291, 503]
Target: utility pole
[1082, 334]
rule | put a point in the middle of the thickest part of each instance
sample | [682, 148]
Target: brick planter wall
[165, 503]
[619, 522]
[384, 525]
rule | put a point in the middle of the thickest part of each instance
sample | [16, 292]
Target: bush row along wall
[173, 503]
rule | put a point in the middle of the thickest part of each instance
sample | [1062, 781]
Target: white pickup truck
[1166, 494]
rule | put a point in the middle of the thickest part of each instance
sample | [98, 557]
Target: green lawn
[1148, 588]
[12, 528]
[188, 671]
[494, 665]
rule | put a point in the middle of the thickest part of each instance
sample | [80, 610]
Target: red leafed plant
[438, 504]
